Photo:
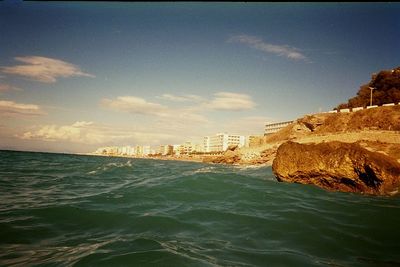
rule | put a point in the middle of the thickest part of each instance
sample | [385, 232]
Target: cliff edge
[381, 119]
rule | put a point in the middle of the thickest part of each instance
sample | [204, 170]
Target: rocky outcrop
[376, 119]
[235, 155]
[312, 122]
[337, 166]
[230, 156]
[265, 157]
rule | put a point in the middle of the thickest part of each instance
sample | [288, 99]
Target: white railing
[347, 110]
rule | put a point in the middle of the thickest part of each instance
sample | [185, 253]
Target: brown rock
[229, 157]
[337, 166]
[232, 147]
[209, 159]
[265, 157]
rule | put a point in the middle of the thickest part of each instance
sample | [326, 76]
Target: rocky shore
[349, 152]
[262, 155]
[338, 166]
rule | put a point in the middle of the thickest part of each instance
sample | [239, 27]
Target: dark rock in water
[337, 166]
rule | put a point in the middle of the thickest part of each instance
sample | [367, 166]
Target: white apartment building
[176, 150]
[206, 144]
[198, 148]
[141, 151]
[221, 141]
[146, 150]
[109, 150]
[275, 127]
[186, 148]
[127, 150]
[101, 150]
[166, 150]
[138, 151]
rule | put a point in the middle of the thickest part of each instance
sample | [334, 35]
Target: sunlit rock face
[337, 166]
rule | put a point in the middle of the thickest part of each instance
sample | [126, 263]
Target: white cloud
[44, 69]
[82, 124]
[180, 121]
[137, 105]
[280, 50]
[184, 98]
[54, 133]
[164, 125]
[74, 133]
[89, 133]
[134, 104]
[11, 108]
[6, 87]
[227, 101]
[181, 116]
[230, 101]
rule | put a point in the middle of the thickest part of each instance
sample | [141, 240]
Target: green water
[67, 210]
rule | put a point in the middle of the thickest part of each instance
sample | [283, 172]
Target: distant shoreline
[193, 158]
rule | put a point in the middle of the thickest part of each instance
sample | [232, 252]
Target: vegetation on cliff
[386, 86]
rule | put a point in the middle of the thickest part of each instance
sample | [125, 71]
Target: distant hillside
[386, 86]
[381, 118]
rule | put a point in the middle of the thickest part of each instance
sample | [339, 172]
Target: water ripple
[68, 210]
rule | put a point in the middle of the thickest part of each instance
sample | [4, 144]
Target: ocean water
[71, 210]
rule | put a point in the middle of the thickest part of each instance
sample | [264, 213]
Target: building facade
[221, 141]
[186, 148]
[254, 140]
[176, 150]
[275, 127]
[137, 151]
[166, 150]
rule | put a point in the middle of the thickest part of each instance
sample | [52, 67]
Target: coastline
[175, 158]
[374, 130]
[264, 155]
[206, 159]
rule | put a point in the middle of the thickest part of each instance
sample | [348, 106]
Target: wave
[111, 165]
[92, 211]
[207, 169]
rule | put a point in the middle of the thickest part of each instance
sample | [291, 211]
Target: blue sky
[75, 76]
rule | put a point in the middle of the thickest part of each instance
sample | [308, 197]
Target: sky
[75, 76]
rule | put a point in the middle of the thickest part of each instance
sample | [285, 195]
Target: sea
[76, 210]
